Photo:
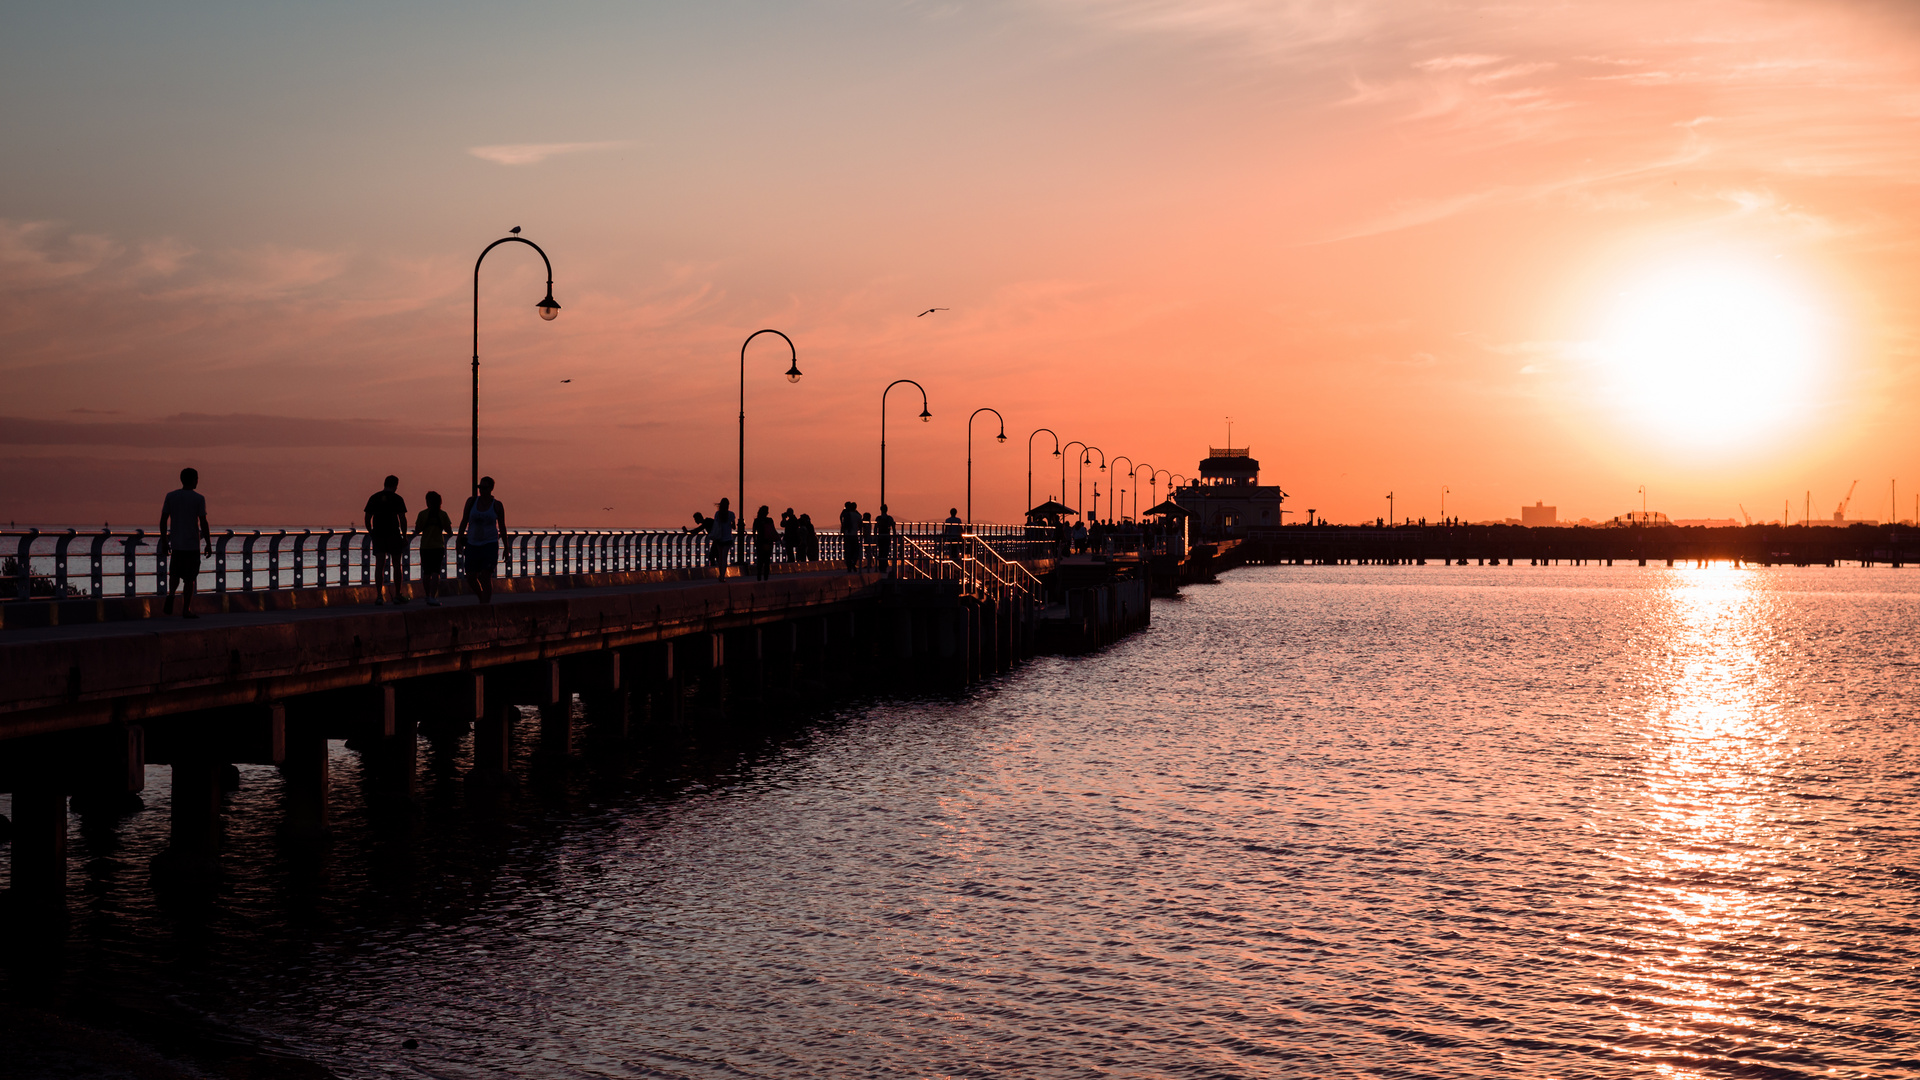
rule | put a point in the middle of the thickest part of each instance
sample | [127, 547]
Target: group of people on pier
[483, 524]
[866, 540]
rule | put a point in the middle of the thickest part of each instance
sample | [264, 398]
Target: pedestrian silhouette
[790, 534]
[850, 535]
[432, 526]
[883, 527]
[809, 540]
[954, 527]
[720, 530]
[483, 524]
[386, 518]
[184, 531]
[764, 537]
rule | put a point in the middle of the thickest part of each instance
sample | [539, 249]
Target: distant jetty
[1480, 545]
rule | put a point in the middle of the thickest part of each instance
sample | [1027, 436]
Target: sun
[1710, 353]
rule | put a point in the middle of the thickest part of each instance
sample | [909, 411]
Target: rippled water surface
[1317, 822]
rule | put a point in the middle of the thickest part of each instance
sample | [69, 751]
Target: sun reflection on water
[1704, 922]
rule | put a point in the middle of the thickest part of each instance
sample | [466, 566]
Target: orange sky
[1391, 240]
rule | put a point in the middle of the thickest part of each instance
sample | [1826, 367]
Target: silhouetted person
[850, 534]
[765, 536]
[720, 530]
[954, 527]
[883, 528]
[432, 526]
[483, 524]
[386, 517]
[809, 540]
[790, 534]
[184, 529]
[1079, 536]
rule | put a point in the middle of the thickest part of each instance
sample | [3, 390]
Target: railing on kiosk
[107, 562]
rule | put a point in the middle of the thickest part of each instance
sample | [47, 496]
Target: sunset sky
[1524, 251]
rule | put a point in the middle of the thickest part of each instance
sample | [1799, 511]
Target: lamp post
[1389, 509]
[1153, 482]
[1056, 453]
[1116, 509]
[1443, 503]
[793, 376]
[1078, 511]
[1082, 480]
[1643, 504]
[1136, 488]
[925, 418]
[548, 310]
[1002, 437]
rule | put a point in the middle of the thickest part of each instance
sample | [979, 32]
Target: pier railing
[104, 563]
[977, 563]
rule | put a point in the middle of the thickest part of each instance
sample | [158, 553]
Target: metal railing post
[130, 564]
[60, 564]
[246, 562]
[273, 560]
[220, 562]
[96, 570]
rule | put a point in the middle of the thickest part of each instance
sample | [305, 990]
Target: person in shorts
[432, 526]
[386, 516]
[183, 527]
[483, 524]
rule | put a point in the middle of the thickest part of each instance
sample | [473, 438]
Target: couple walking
[858, 531]
[720, 532]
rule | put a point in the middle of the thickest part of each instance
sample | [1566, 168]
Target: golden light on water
[1713, 352]
[1699, 940]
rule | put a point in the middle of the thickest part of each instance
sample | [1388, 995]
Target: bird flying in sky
[566, 380]
[929, 311]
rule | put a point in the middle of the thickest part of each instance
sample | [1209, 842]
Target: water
[1418, 822]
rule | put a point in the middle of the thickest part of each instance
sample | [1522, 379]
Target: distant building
[1539, 514]
[1229, 498]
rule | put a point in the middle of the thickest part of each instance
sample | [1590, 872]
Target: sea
[1423, 821]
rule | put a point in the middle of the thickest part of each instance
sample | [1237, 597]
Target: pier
[589, 632]
[1481, 545]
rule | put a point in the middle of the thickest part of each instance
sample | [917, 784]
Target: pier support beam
[306, 775]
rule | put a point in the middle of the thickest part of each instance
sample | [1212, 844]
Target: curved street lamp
[1153, 482]
[548, 310]
[925, 418]
[1078, 511]
[1115, 508]
[1136, 489]
[1056, 453]
[1082, 473]
[1002, 437]
[793, 376]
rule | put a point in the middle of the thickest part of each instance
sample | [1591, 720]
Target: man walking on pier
[183, 524]
[386, 517]
[883, 539]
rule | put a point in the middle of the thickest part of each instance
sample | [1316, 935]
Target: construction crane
[1840, 515]
[1744, 514]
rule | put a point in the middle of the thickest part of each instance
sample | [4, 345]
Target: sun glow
[1713, 353]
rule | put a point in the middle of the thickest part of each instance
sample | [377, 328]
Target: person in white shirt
[184, 531]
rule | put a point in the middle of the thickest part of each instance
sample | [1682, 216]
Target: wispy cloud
[534, 153]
